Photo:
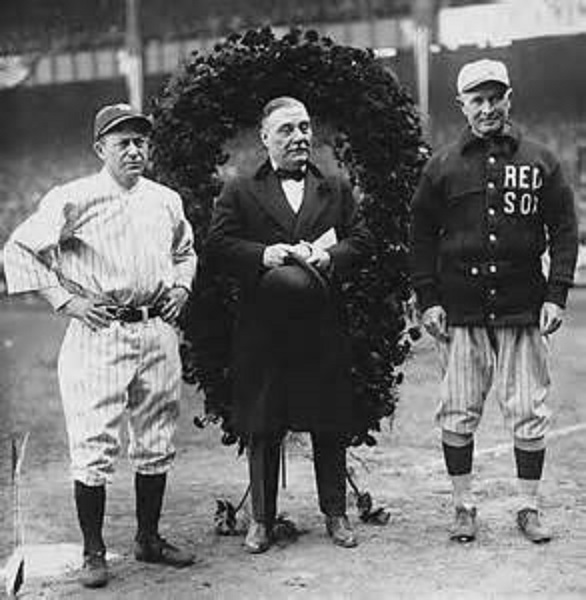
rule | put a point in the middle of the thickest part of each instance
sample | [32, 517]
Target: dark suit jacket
[296, 376]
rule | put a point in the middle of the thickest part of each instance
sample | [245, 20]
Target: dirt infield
[410, 557]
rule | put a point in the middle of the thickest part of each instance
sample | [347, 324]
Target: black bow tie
[297, 175]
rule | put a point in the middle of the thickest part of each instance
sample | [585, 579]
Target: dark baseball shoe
[94, 572]
[464, 528]
[341, 532]
[155, 549]
[257, 538]
[531, 527]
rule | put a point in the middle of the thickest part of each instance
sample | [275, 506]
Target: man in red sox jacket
[290, 370]
[487, 208]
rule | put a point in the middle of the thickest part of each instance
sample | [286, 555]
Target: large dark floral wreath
[372, 128]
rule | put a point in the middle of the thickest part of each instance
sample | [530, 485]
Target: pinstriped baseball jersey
[93, 238]
[509, 362]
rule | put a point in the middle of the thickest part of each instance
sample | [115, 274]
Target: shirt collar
[266, 168]
[505, 142]
[302, 168]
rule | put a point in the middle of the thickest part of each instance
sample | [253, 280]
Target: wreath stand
[366, 126]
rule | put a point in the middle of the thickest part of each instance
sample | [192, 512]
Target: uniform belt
[133, 314]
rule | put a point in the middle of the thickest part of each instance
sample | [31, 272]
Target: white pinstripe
[514, 367]
[132, 367]
[91, 237]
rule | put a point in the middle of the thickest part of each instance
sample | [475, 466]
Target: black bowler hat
[296, 290]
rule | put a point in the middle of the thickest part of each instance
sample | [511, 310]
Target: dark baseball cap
[112, 115]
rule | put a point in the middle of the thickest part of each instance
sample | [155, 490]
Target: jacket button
[491, 211]
[492, 238]
[491, 185]
[492, 268]
[474, 271]
[491, 160]
[492, 316]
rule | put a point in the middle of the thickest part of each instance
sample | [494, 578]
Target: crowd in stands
[41, 26]
[54, 25]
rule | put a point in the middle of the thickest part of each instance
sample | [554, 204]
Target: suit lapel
[315, 201]
[270, 196]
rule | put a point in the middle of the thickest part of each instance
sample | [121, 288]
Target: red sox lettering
[521, 183]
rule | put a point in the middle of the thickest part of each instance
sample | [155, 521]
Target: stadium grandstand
[61, 59]
[35, 25]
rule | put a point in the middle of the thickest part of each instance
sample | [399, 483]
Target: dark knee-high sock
[458, 459]
[529, 471]
[90, 502]
[149, 490]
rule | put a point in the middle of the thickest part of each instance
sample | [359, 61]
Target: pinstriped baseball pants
[509, 362]
[131, 368]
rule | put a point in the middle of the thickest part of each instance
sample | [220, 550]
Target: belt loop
[144, 312]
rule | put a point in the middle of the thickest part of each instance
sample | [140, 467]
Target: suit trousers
[329, 460]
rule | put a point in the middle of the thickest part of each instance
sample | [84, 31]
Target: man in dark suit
[291, 356]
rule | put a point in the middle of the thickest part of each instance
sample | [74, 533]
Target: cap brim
[123, 119]
[475, 84]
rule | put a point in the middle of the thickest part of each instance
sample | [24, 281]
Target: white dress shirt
[293, 190]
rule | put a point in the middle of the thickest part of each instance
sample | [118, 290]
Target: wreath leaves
[376, 139]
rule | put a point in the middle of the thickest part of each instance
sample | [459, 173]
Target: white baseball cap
[472, 74]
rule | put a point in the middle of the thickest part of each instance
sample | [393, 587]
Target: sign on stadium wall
[501, 23]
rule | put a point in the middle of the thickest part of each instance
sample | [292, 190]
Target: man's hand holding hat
[319, 258]
[313, 254]
[276, 254]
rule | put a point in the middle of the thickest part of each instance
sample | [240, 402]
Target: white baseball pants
[510, 362]
[131, 368]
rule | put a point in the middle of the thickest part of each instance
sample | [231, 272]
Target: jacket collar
[505, 142]
[271, 198]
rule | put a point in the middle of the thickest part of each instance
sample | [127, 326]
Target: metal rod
[283, 463]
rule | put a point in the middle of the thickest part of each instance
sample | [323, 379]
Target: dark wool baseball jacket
[484, 213]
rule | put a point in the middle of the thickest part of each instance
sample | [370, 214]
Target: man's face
[286, 134]
[124, 152]
[486, 108]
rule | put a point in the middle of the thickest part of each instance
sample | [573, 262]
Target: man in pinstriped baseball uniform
[486, 209]
[114, 252]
